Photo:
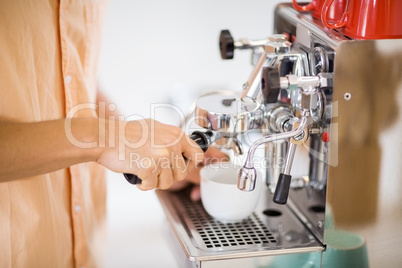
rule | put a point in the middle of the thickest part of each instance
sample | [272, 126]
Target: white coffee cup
[220, 196]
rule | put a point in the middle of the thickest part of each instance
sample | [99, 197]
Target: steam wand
[248, 175]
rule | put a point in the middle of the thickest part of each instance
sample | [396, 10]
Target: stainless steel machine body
[329, 105]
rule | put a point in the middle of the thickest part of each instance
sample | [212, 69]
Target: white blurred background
[159, 51]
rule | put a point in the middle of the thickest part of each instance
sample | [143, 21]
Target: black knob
[282, 189]
[226, 45]
[270, 85]
[203, 139]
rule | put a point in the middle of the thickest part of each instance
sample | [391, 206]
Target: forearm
[29, 149]
[151, 150]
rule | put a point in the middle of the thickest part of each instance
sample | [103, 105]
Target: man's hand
[151, 150]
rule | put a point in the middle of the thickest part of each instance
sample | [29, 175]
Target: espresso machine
[325, 111]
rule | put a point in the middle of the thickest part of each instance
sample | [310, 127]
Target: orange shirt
[48, 58]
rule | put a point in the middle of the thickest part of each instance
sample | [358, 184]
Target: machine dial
[319, 61]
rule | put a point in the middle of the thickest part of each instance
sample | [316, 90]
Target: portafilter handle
[203, 139]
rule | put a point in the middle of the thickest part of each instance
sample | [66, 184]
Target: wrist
[87, 136]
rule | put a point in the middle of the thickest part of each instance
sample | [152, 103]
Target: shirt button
[77, 208]
[67, 79]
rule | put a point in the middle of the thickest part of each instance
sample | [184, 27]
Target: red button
[325, 136]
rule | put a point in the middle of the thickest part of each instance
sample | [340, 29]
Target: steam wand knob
[283, 185]
[227, 44]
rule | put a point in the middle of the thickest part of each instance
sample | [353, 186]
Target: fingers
[179, 167]
[163, 172]
[172, 153]
[149, 180]
[163, 180]
[212, 155]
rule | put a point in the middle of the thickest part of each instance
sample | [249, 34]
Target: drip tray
[268, 231]
[217, 235]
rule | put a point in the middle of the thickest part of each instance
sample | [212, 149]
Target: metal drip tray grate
[201, 238]
[215, 234]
